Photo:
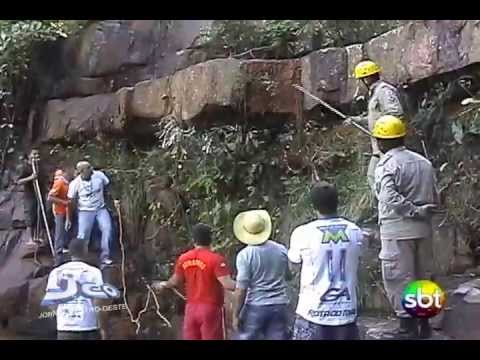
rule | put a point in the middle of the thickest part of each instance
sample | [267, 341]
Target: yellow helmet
[366, 68]
[389, 127]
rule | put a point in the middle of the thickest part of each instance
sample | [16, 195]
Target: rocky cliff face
[120, 78]
[226, 90]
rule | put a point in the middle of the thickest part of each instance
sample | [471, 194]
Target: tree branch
[250, 51]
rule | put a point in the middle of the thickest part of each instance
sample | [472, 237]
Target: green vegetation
[226, 170]
[17, 40]
[288, 38]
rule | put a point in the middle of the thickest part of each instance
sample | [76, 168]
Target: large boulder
[111, 54]
[15, 272]
[269, 88]
[354, 87]
[79, 86]
[209, 92]
[12, 212]
[469, 45]
[105, 47]
[421, 49]
[224, 91]
[150, 99]
[324, 75]
[67, 119]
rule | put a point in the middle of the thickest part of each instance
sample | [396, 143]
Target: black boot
[425, 330]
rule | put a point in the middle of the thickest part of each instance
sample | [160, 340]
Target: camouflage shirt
[383, 100]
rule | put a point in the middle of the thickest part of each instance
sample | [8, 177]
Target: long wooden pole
[36, 186]
[332, 109]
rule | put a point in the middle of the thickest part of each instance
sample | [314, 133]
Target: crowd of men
[326, 251]
[83, 198]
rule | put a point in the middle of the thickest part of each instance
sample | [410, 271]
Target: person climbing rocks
[260, 299]
[384, 99]
[58, 196]
[328, 250]
[87, 190]
[77, 318]
[30, 199]
[407, 194]
[205, 275]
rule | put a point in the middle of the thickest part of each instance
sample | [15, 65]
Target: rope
[135, 321]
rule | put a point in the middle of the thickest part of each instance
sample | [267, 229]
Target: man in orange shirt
[58, 195]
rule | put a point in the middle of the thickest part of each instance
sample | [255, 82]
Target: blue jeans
[306, 330]
[60, 236]
[86, 220]
[263, 322]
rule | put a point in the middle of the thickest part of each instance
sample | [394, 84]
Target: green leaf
[457, 131]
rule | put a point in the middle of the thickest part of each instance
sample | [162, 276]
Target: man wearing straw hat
[260, 300]
[328, 250]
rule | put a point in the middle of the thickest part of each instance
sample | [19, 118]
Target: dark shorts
[78, 335]
[266, 322]
[30, 210]
[306, 330]
[203, 322]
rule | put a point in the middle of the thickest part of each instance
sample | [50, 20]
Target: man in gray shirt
[407, 194]
[88, 189]
[260, 300]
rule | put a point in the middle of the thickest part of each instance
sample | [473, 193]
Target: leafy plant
[287, 38]
[17, 40]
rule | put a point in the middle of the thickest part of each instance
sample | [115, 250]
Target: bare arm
[175, 281]
[238, 301]
[361, 120]
[227, 282]
[26, 179]
[57, 200]
[71, 203]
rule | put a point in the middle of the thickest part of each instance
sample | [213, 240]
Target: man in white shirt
[76, 312]
[88, 191]
[328, 250]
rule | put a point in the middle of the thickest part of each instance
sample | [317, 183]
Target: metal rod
[42, 208]
[425, 149]
[331, 108]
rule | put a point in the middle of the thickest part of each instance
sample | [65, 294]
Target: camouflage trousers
[404, 261]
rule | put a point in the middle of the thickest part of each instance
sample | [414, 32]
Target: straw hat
[252, 227]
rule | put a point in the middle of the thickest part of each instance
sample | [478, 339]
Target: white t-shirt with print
[79, 313]
[89, 193]
[329, 251]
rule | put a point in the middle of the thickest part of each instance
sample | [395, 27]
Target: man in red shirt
[205, 275]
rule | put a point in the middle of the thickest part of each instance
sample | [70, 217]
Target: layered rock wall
[111, 55]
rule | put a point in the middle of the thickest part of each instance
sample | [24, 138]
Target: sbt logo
[423, 299]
